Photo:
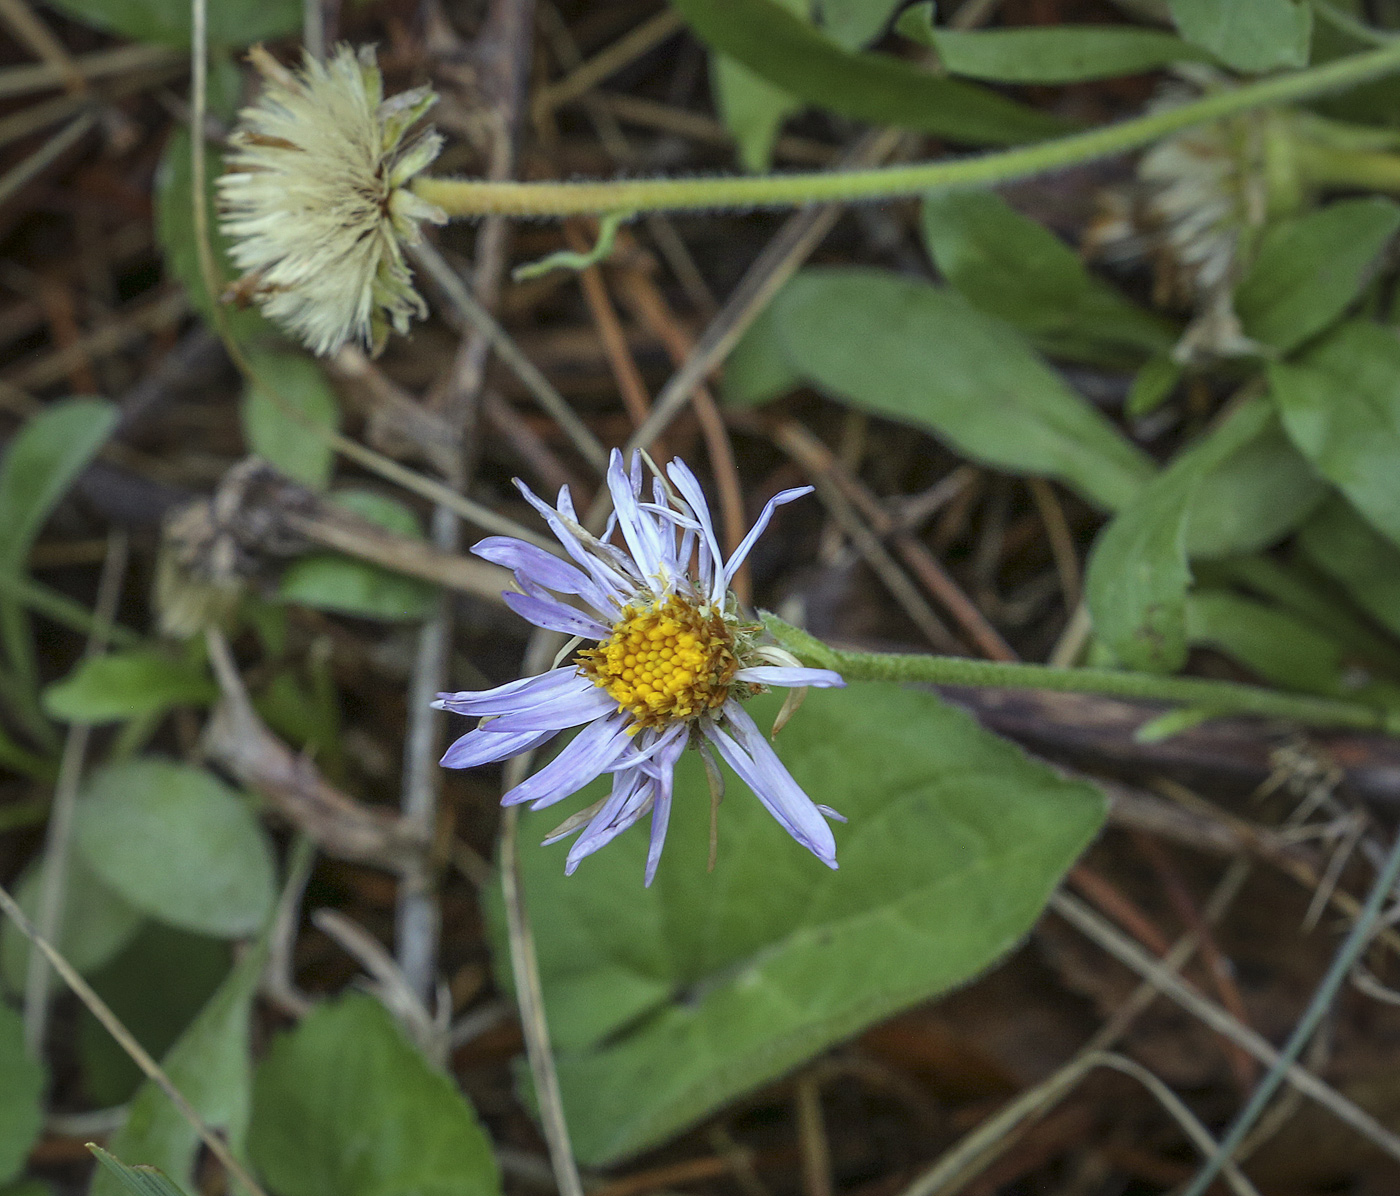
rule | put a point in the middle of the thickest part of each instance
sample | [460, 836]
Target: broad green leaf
[1253, 498]
[22, 1084]
[1009, 266]
[156, 987]
[759, 368]
[344, 1105]
[1059, 54]
[136, 1181]
[1138, 573]
[210, 1065]
[97, 923]
[752, 109]
[1341, 407]
[1249, 35]
[922, 355]
[666, 1003]
[1353, 553]
[231, 22]
[1282, 648]
[1309, 270]
[805, 62]
[27, 1187]
[178, 844]
[1152, 385]
[41, 462]
[329, 581]
[175, 234]
[277, 436]
[855, 23]
[123, 685]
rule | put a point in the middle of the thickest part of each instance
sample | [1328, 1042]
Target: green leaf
[136, 1181]
[1138, 573]
[178, 844]
[210, 1065]
[1282, 648]
[41, 462]
[1353, 553]
[1009, 266]
[97, 923]
[277, 436]
[156, 987]
[21, 1095]
[329, 581]
[1059, 54]
[175, 234]
[1253, 498]
[921, 355]
[1249, 35]
[666, 1003]
[752, 109]
[855, 23]
[784, 49]
[123, 685]
[231, 22]
[1309, 270]
[1152, 385]
[1341, 407]
[344, 1105]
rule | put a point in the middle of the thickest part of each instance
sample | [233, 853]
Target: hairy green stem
[471, 197]
[1217, 697]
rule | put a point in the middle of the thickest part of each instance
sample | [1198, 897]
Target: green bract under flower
[316, 199]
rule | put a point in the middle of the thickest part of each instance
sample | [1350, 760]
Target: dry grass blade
[139, 1055]
[1127, 952]
[627, 48]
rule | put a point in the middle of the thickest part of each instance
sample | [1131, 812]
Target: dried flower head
[1200, 200]
[316, 200]
[670, 662]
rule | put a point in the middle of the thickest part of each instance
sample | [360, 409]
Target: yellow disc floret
[665, 663]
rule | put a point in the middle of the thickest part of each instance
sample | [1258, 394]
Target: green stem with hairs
[1217, 697]
[473, 197]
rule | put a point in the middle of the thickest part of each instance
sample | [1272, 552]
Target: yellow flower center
[669, 662]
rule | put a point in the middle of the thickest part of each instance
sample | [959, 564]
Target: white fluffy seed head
[316, 202]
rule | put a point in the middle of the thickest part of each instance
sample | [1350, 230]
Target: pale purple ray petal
[746, 544]
[482, 747]
[554, 615]
[649, 743]
[689, 486]
[638, 529]
[758, 766]
[568, 711]
[588, 756]
[630, 798]
[544, 568]
[790, 676]
[663, 768]
[606, 576]
[515, 695]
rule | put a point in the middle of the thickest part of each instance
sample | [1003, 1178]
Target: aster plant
[671, 662]
[325, 189]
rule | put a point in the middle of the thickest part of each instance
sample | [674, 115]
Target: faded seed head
[315, 199]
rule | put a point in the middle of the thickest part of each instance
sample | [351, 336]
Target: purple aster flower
[669, 660]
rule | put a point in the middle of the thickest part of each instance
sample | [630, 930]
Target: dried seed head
[316, 201]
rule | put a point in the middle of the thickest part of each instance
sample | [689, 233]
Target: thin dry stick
[58, 839]
[525, 966]
[38, 76]
[814, 456]
[627, 48]
[113, 1025]
[466, 304]
[41, 40]
[961, 1164]
[1052, 514]
[1083, 919]
[22, 172]
[811, 1137]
